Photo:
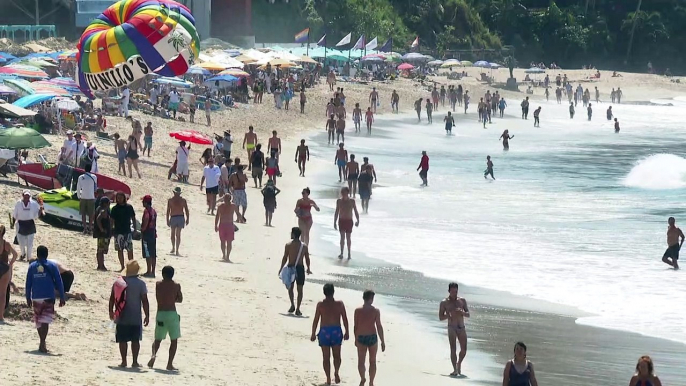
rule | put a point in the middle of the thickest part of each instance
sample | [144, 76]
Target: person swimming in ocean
[454, 309]
[673, 244]
[489, 168]
[645, 375]
[506, 137]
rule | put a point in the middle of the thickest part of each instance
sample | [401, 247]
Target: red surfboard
[35, 174]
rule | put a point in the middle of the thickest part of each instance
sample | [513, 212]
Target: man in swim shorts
[330, 335]
[237, 183]
[352, 171]
[292, 269]
[177, 218]
[454, 309]
[366, 327]
[249, 143]
[302, 155]
[364, 183]
[673, 244]
[168, 321]
[341, 160]
[343, 218]
[147, 138]
[223, 224]
[331, 128]
[120, 150]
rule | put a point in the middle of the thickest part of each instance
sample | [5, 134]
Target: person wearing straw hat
[128, 316]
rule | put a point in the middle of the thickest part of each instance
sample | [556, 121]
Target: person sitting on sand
[368, 331]
[519, 371]
[223, 225]
[343, 218]
[292, 270]
[128, 319]
[330, 311]
[168, 321]
[644, 375]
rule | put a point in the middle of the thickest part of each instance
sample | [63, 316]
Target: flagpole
[308, 42]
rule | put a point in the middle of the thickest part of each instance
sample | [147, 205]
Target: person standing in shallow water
[489, 167]
[331, 336]
[671, 255]
[506, 137]
[519, 371]
[343, 218]
[368, 331]
[454, 309]
[644, 375]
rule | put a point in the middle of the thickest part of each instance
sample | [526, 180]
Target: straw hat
[132, 269]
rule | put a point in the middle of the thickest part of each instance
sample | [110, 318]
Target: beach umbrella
[481, 63]
[32, 100]
[306, 59]
[45, 87]
[245, 59]
[435, 63]
[197, 70]
[222, 79]
[232, 52]
[467, 63]
[67, 55]
[64, 82]
[451, 63]
[67, 104]
[235, 72]
[173, 81]
[40, 63]
[494, 65]
[367, 57]
[192, 136]
[7, 90]
[535, 70]
[22, 71]
[21, 138]
[414, 56]
[405, 66]
[212, 66]
[20, 85]
[372, 59]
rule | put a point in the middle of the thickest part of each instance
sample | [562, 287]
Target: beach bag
[119, 289]
[288, 273]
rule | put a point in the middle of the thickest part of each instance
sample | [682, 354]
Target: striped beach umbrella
[23, 71]
[64, 82]
[234, 72]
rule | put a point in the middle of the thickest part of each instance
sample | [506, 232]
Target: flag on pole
[302, 36]
[345, 40]
[360, 43]
[322, 41]
[415, 43]
[388, 46]
[372, 45]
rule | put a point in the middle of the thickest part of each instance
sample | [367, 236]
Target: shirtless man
[395, 99]
[341, 113]
[293, 255]
[249, 143]
[454, 309]
[330, 335]
[673, 244]
[223, 224]
[302, 155]
[366, 327]
[168, 293]
[373, 97]
[357, 117]
[370, 167]
[274, 146]
[147, 138]
[616, 126]
[343, 218]
[369, 118]
[120, 150]
[177, 218]
[331, 128]
[237, 183]
[340, 129]
[341, 160]
[352, 171]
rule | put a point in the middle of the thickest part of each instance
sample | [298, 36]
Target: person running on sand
[418, 109]
[368, 331]
[212, 174]
[178, 217]
[102, 232]
[340, 129]
[303, 210]
[330, 311]
[120, 151]
[167, 320]
[237, 183]
[449, 123]
[149, 236]
[269, 193]
[302, 155]
[292, 269]
[42, 280]
[343, 218]
[352, 172]
[250, 142]
[365, 187]
[223, 224]
[357, 117]
[341, 159]
[616, 126]
[147, 138]
[489, 167]
[6, 269]
[519, 371]
[373, 98]
[331, 128]
[454, 309]
[645, 375]
[128, 320]
[506, 137]
[673, 244]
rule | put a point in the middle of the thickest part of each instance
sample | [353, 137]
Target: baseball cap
[69, 132]
[147, 198]
[26, 193]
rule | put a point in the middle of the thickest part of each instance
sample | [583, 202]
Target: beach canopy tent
[225, 60]
[173, 81]
[32, 100]
[21, 137]
[222, 79]
[245, 59]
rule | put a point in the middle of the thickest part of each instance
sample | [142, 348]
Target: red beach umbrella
[192, 136]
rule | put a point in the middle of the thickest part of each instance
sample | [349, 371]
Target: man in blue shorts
[330, 335]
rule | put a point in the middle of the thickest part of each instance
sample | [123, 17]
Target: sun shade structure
[21, 137]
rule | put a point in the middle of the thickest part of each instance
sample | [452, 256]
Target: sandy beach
[235, 329]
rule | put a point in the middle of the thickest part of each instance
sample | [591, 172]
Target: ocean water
[577, 215]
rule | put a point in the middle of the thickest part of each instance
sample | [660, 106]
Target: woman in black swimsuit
[132, 155]
[5, 271]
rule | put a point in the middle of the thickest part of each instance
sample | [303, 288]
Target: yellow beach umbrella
[245, 59]
[212, 66]
[306, 59]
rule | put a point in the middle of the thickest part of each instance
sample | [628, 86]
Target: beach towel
[288, 273]
[119, 288]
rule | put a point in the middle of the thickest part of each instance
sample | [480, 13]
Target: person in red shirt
[424, 166]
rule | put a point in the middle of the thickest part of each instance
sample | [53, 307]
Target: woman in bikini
[132, 155]
[5, 271]
[303, 210]
[519, 371]
[644, 373]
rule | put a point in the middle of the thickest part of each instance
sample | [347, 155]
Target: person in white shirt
[124, 105]
[76, 151]
[69, 142]
[182, 153]
[174, 101]
[211, 174]
[26, 211]
[153, 96]
[85, 188]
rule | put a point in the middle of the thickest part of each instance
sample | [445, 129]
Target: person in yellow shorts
[168, 321]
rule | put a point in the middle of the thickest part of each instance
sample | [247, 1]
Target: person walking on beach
[340, 129]
[120, 151]
[223, 225]
[443, 94]
[123, 216]
[330, 311]
[343, 219]
[147, 138]
[211, 174]
[292, 271]
[434, 98]
[537, 114]
[489, 167]
[616, 126]
[619, 95]
[178, 217]
[645, 373]
[454, 309]
[429, 111]
[467, 98]
[571, 110]
[525, 108]
[365, 187]
[590, 111]
[42, 280]
[418, 109]
[424, 166]
[675, 238]
[395, 99]
[167, 320]
[257, 162]
[303, 211]
[303, 101]
[331, 129]
[102, 232]
[128, 317]
[352, 172]
[506, 137]
[6, 270]
[274, 145]
[373, 98]
[249, 143]
[269, 194]
[182, 164]
[237, 183]
[26, 211]
[369, 119]
[519, 371]
[208, 110]
[341, 160]
[501, 106]
[357, 117]
[449, 123]
[302, 155]
[368, 331]
[132, 155]
[149, 236]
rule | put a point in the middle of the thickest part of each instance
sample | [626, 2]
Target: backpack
[119, 288]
